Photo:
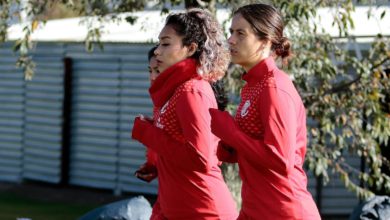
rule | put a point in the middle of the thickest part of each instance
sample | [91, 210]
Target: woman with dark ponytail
[191, 54]
[267, 137]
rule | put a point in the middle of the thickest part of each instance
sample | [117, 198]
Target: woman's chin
[161, 69]
[235, 60]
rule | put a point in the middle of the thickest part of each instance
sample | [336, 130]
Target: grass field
[15, 206]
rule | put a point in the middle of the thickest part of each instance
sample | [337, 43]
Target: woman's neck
[260, 56]
[248, 66]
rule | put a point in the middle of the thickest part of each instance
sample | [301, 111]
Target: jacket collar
[166, 83]
[260, 71]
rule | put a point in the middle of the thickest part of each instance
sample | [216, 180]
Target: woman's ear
[264, 48]
[192, 49]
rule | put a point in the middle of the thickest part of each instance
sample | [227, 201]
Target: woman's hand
[146, 172]
[226, 153]
[141, 123]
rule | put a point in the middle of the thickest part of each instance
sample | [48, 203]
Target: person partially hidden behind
[148, 171]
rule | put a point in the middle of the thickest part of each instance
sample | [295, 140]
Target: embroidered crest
[244, 110]
[158, 123]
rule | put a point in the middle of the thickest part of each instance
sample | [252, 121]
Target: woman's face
[246, 48]
[170, 49]
[153, 71]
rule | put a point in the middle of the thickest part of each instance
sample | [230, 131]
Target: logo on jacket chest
[164, 108]
[159, 123]
[245, 107]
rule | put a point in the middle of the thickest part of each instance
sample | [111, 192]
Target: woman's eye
[164, 45]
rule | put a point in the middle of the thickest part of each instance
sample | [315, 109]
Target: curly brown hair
[200, 27]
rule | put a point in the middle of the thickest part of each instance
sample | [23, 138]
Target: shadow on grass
[15, 206]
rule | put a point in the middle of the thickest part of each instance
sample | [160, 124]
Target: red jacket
[191, 185]
[151, 156]
[269, 142]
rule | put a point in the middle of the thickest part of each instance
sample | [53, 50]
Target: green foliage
[233, 181]
[4, 14]
[38, 11]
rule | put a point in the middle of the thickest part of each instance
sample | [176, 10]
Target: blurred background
[73, 75]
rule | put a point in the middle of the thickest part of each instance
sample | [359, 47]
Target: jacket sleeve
[196, 152]
[151, 157]
[276, 149]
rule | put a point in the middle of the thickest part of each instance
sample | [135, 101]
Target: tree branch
[346, 85]
[343, 86]
[380, 63]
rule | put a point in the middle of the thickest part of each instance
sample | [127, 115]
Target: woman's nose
[231, 40]
[157, 51]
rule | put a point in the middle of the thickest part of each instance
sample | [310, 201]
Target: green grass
[15, 206]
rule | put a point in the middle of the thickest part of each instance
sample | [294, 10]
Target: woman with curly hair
[191, 54]
[268, 135]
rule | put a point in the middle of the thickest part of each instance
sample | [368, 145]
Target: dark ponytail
[282, 49]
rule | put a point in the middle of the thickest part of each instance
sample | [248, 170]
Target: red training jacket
[270, 146]
[191, 185]
[151, 156]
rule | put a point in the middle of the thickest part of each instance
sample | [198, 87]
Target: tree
[346, 96]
